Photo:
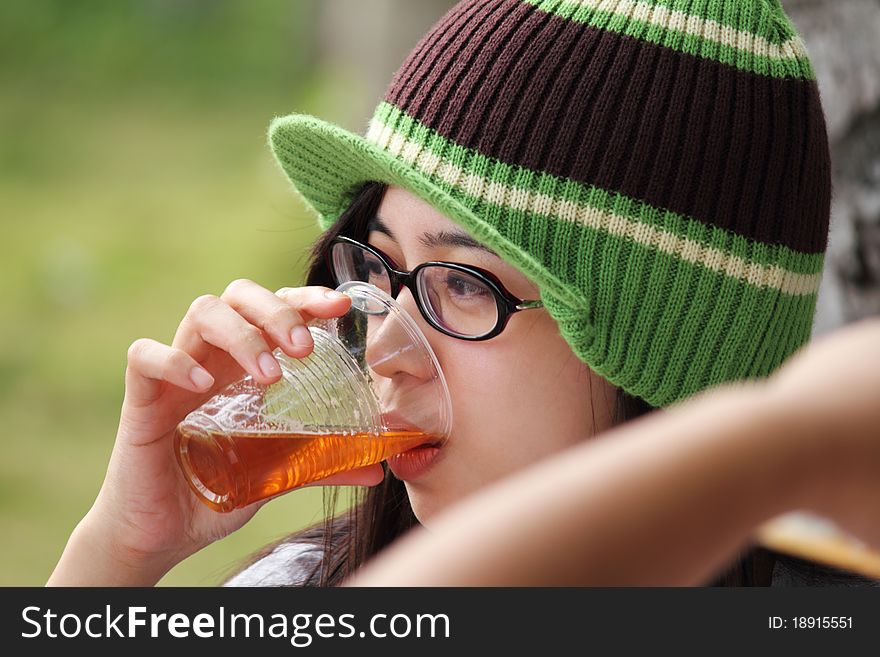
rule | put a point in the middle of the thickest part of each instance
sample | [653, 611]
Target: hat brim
[328, 164]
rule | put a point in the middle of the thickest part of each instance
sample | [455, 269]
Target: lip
[416, 462]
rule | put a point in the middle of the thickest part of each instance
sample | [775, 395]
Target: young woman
[640, 197]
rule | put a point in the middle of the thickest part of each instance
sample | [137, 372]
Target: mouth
[423, 451]
[415, 462]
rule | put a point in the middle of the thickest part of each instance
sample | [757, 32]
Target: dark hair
[380, 514]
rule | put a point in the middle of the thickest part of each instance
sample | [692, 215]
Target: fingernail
[268, 365]
[301, 337]
[334, 295]
[201, 378]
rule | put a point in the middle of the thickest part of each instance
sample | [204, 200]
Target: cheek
[522, 397]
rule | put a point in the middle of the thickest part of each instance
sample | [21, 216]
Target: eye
[373, 266]
[462, 285]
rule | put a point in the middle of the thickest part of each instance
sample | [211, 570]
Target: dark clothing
[292, 564]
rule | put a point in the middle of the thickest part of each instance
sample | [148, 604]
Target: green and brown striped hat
[659, 168]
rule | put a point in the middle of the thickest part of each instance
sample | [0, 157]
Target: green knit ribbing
[764, 18]
[768, 24]
[688, 329]
[649, 315]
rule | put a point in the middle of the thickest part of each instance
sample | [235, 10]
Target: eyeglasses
[458, 300]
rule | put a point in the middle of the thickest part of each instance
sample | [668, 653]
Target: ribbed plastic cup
[371, 388]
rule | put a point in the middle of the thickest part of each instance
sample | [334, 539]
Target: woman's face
[516, 398]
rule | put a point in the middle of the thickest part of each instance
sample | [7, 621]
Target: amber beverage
[230, 470]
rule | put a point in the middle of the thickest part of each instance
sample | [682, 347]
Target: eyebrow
[434, 240]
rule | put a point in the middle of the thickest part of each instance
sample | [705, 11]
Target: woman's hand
[832, 388]
[145, 519]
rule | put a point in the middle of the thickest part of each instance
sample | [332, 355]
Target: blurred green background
[134, 177]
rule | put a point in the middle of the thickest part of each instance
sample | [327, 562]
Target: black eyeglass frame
[506, 303]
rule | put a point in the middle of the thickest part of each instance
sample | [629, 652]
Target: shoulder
[288, 564]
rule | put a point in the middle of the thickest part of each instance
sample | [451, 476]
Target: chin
[425, 506]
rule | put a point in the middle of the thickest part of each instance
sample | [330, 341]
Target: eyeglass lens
[458, 301]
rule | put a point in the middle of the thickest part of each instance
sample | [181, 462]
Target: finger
[274, 315]
[312, 302]
[210, 323]
[315, 301]
[150, 363]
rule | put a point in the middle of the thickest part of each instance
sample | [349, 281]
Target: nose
[410, 389]
[392, 349]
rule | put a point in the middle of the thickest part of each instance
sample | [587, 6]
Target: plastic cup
[371, 388]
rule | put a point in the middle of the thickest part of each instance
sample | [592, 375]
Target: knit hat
[659, 168]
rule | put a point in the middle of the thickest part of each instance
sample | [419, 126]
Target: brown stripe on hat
[727, 147]
[447, 36]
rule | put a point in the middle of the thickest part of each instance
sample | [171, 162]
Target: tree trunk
[842, 40]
